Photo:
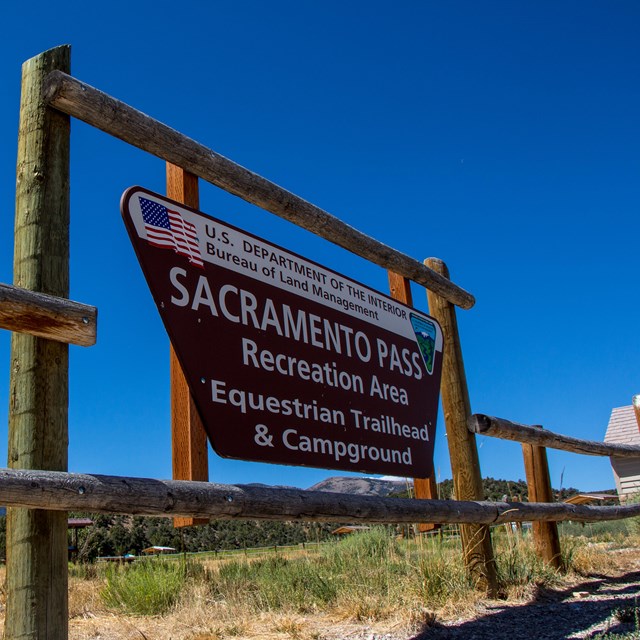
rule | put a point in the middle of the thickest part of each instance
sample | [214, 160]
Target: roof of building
[588, 498]
[79, 523]
[157, 549]
[350, 529]
[623, 427]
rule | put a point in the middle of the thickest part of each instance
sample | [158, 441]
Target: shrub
[518, 565]
[600, 531]
[441, 572]
[364, 567]
[148, 587]
[275, 583]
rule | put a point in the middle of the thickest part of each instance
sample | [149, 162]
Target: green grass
[439, 571]
[274, 583]
[518, 565]
[370, 573]
[370, 560]
[148, 587]
[366, 576]
[602, 531]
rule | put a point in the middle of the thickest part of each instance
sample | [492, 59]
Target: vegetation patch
[150, 587]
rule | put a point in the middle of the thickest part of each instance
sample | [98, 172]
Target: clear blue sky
[502, 137]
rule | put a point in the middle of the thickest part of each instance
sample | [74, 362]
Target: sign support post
[545, 534]
[188, 437]
[423, 488]
[465, 467]
[37, 600]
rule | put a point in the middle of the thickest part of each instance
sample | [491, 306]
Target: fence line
[534, 440]
[37, 607]
[69, 95]
[61, 491]
[506, 430]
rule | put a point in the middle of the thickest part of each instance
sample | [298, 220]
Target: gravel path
[583, 611]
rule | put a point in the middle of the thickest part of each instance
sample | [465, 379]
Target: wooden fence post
[423, 488]
[37, 604]
[465, 467]
[545, 534]
[188, 437]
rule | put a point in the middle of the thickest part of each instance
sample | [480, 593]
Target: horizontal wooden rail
[499, 428]
[60, 491]
[46, 316]
[69, 95]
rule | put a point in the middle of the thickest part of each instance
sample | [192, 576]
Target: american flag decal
[167, 229]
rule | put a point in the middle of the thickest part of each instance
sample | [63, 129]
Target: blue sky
[500, 137]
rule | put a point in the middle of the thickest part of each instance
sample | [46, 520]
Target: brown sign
[288, 361]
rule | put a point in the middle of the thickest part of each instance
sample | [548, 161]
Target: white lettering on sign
[295, 324]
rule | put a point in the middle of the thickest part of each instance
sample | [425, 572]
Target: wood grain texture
[188, 437]
[38, 435]
[116, 118]
[506, 430]
[545, 534]
[47, 316]
[465, 466]
[168, 498]
[423, 488]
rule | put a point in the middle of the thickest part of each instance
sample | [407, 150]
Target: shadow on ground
[554, 614]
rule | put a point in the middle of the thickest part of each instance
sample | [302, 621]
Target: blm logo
[426, 336]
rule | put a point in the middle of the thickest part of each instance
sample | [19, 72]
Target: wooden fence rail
[46, 316]
[506, 430]
[69, 95]
[61, 491]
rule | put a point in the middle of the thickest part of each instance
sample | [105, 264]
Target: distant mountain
[495, 490]
[360, 486]
[262, 485]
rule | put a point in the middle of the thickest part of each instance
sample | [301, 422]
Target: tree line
[496, 490]
[116, 535]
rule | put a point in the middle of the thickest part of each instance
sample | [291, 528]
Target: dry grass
[602, 557]
[413, 586]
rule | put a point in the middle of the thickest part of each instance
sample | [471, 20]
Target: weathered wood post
[545, 534]
[38, 406]
[423, 488]
[465, 466]
[188, 437]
